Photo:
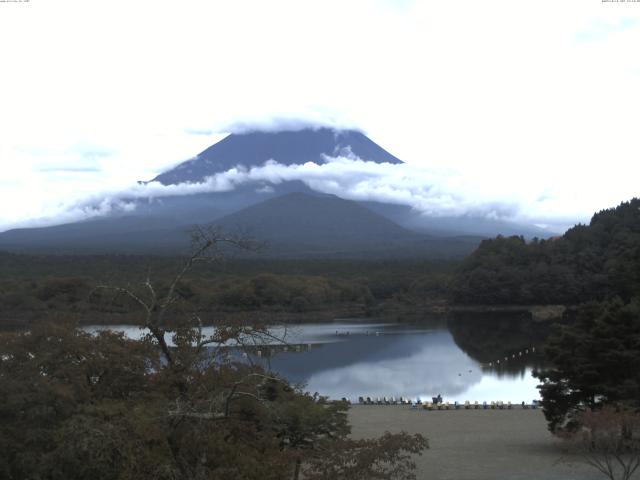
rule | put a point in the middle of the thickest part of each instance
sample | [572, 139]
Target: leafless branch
[206, 243]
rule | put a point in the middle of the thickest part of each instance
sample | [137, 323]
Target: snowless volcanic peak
[253, 149]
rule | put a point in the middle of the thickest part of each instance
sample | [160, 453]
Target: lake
[350, 358]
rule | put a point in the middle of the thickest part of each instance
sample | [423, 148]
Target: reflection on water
[400, 360]
[491, 338]
[352, 359]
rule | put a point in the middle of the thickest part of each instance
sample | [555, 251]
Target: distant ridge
[289, 147]
[327, 225]
[317, 218]
[294, 225]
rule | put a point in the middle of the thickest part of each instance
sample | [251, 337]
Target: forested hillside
[36, 288]
[589, 262]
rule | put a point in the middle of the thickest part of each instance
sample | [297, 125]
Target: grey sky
[526, 103]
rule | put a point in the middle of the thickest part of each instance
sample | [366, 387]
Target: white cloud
[313, 118]
[433, 192]
[516, 98]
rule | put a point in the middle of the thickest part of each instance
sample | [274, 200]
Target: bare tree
[208, 244]
[609, 441]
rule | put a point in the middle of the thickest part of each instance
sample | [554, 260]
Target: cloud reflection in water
[408, 363]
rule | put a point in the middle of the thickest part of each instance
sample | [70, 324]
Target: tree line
[33, 288]
[589, 262]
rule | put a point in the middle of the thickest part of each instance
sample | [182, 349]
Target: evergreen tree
[595, 362]
[589, 262]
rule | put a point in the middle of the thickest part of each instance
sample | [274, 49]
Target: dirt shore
[477, 444]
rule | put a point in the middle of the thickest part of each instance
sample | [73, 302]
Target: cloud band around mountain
[434, 192]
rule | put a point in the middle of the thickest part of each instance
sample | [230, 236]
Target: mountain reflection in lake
[397, 360]
[352, 359]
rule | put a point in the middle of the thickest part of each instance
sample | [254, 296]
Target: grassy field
[477, 444]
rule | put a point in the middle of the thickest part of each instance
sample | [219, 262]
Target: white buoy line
[513, 356]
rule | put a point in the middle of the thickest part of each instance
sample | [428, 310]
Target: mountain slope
[414, 220]
[295, 225]
[289, 147]
[327, 225]
[315, 217]
[122, 234]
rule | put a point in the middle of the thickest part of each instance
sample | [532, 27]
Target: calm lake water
[353, 358]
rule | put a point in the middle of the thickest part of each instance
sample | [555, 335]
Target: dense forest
[589, 262]
[39, 287]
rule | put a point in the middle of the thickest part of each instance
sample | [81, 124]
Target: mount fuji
[293, 218]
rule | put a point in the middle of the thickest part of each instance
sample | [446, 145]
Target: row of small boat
[385, 401]
[467, 405]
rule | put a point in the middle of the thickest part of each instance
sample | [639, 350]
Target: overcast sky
[528, 102]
